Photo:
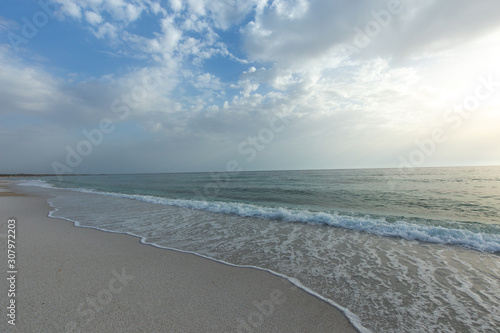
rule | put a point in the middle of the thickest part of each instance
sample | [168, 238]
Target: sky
[115, 86]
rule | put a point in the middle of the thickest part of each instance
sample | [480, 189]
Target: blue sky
[115, 86]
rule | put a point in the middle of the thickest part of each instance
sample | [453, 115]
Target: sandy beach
[72, 279]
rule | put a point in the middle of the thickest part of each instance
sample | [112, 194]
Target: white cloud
[291, 9]
[7, 25]
[175, 42]
[171, 35]
[176, 5]
[156, 8]
[226, 13]
[195, 23]
[70, 8]
[133, 12]
[118, 10]
[431, 26]
[291, 33]
[287, 33]
[197, 7]
[25, 89]
[207, 81]
[93, 18]
[107, 30]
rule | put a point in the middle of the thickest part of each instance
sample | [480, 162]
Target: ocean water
[412, 251]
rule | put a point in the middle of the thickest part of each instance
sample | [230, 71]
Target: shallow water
[394, 284]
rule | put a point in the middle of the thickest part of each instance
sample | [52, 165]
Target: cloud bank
[359, 84]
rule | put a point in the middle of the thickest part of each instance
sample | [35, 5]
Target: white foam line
[353, 318]
[466, 238]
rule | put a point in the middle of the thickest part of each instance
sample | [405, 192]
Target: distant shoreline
[17, 175]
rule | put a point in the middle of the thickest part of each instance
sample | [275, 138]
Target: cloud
[432, 26]
[171, 35]
[7, 25]
[70, 8]
[207, 81]
[287, 32]
[107, 30]
[25, 89]
[117, 9]
[297, 32]
[93, 18]
[343, 111]
[226, 13]
[176, 5]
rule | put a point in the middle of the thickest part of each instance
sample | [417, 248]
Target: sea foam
[452, 233]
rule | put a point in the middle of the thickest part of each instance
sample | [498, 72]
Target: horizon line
[22, 174]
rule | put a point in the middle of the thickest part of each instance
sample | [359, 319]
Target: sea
[415, 250]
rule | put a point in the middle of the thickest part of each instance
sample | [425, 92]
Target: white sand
[93, 281]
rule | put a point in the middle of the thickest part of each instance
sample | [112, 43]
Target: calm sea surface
[413, 251]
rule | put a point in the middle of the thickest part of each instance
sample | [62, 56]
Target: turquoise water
[463, 194]
[405, 252]
[444, 205]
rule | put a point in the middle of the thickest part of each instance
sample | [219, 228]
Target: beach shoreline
[82, 279]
